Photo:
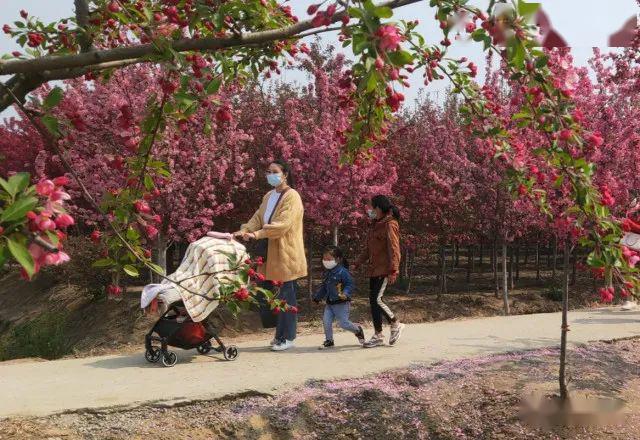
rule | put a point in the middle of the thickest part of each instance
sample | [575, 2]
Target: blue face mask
[274, 179]
[372, 214]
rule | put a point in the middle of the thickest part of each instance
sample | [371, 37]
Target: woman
[279, 221]
[383, 255]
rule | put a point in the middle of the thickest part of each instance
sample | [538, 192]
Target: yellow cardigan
[286, 260]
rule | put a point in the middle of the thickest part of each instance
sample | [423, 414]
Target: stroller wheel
[169, 359]
[231, 353]
[204, 348]
[152, 355]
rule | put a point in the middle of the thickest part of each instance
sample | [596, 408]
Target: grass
[42, 337]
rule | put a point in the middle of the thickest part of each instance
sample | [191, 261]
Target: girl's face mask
[329, 264]
[372, 214]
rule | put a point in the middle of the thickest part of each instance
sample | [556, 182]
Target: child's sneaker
[375, 341]
[396, 332]
[326, 344]
[360, 335]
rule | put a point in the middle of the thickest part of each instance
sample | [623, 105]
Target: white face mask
[329, 264]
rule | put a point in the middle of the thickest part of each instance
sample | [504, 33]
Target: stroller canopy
[204, 268]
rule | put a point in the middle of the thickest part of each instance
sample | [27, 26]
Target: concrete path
[41, 388]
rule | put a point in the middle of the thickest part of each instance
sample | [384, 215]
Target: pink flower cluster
[389, 38]
[52, 219]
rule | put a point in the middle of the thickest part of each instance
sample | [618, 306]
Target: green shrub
[553, 294]
[42, 337]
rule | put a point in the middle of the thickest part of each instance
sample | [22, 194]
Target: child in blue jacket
[336, 290]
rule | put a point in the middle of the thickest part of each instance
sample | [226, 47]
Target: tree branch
[32, 73]
[57, 62]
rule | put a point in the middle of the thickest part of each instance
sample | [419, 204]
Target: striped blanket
[203, 269]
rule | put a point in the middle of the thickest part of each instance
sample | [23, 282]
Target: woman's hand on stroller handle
[246, 236]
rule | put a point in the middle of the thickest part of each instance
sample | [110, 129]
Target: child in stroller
[176, 329]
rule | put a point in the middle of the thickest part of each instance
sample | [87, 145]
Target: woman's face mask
[329, 264]
[274, 179]
[372, 214]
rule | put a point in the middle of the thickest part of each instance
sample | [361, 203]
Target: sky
[584, 24]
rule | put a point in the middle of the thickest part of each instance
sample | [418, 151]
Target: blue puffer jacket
[337, 286]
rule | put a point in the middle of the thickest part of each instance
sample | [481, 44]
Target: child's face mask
[329, 264]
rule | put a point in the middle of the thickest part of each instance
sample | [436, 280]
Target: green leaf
[383, 12]
[372, 82]
[22, 255]
[541, 61]
[19, 181]
[53, 238]
[132, 234]
[400, 57]
[214, 86]
[103, 262]
[18, 209]
[478, 35]
[527, 10]
[156, 268]
[148, 182]
[355, 12]
[53, 98]
[51, 123]
[131, 270]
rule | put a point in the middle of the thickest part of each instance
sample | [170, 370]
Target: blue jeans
[340, 313]
[287, 321]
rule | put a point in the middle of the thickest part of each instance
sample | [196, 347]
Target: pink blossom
[64, 221]
[151, 231]
[389, 37]
[45, 187]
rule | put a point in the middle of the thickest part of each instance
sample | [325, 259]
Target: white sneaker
[396, 332]
[629, 305]
[282, 346]
[375, 341]
[273, 342]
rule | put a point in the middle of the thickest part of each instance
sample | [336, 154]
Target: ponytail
[385, 205]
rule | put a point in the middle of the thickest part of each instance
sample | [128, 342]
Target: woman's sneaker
[629, 305]
[396, 332]
[360, 335]
[375, 341]
[326, 344]
[282, 346]
[273, 342]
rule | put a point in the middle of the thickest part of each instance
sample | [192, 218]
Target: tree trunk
[456, 252]
[510, 252]
[472, 255]
[443, 271]
[494, 267]
[412, 256]
[310, 273]
[526, 255]
[555, 259]
[565, 327]
[481, 254]
[335, 236]
[573, 267]
[160, 257]
[505, 283]
[517, 263]
[538, 260]
[470, 259]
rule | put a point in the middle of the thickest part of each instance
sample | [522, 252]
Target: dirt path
[41, 388]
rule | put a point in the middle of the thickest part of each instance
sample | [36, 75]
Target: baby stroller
[184, 315]
[176, 329]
